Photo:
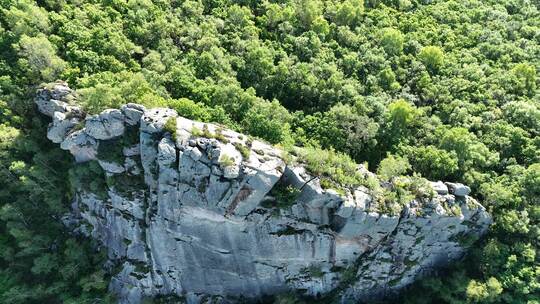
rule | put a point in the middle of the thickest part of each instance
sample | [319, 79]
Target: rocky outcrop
[108, 124]
[207, 214]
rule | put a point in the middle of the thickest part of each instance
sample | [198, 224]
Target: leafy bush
[89, 177]
[337, 168]
[283, 195]
[189, 109]
[110, 90]
[314, 271]
[393, 166]
[38, 55]
[126, 184]
[111, 150]
[269, 121]
[432, 57]
[432, 162]
[392, 41]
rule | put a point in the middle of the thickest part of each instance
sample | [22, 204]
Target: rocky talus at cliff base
[191, 211]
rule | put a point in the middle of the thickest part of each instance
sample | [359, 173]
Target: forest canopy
[446, 90]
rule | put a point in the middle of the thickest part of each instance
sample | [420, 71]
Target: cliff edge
[204, 213]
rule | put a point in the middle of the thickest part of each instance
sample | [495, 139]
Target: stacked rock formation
[189, 209]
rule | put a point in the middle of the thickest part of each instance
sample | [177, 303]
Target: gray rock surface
[106, 125]
[81, 145]
[195, 214]
[61, 125]
[458, 189]
[54, 98]
[440, 187]
[111, 167]
[133, 113]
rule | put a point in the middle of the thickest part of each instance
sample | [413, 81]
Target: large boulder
[440, 187]
[108, 124]
[82, 146]
[60, 127]
[458, 189]
[54, 98]
[133, 113]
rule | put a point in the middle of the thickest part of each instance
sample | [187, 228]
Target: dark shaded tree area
[444, 89]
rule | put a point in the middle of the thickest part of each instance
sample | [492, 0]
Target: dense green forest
[443, 89]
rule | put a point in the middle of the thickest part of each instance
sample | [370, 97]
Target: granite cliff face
[192, 209]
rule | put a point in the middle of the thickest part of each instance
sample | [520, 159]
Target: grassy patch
[141, 267]
[226, 161]
[339, 172]
[314, 271]
[202, 186]
[205, 132]
[170, 126]
[408, 263]
[196, 131]
[79, 126]
[244, 150]
[401, 191]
